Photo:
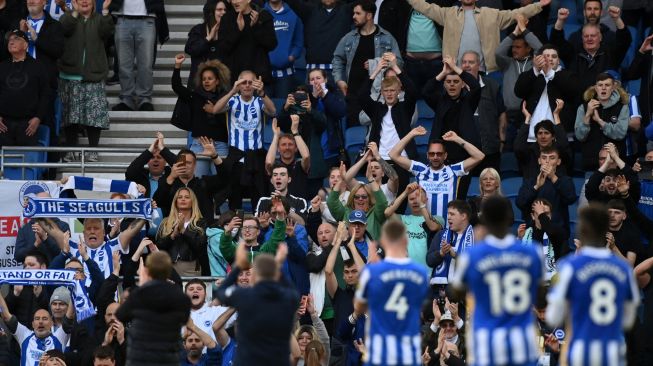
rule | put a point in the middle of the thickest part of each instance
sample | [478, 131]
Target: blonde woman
[602, 118]
[182, 235]
[312, 340]
[489, 182]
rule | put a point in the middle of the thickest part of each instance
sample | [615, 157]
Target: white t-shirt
[205, 316]
[389, 136]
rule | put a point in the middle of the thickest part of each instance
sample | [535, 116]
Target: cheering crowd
[288, 223]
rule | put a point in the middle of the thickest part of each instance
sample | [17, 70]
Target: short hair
[617, 204]
[593, 224]
[253, 218]
[56, 353]
[279, 165]
[389, 82]
[439, 142]
[323, 72]
[461, 206]
[245, 72]
[184, 151]
[547, 46]
[195, 281]
[604, 76]
[74, 259]
[496, 212]
[393, 231]
[593, 1]
[288, 136]
[550, 150]
[349, 263]
[472, 52]
[159, 265]
[368, 6]
[266, 266]
[613, 173]
[38, 255]
[303, 88]
[590, 25]
[104, 352]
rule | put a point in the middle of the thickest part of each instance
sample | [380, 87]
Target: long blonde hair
[314, 353]
[370, 197]
[165, 229]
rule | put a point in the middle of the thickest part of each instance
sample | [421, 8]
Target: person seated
[553, 238]
[444, 339]
[489, 182]
[182, 235]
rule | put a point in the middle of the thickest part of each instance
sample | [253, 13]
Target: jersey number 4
[509, 293]
[397, 302]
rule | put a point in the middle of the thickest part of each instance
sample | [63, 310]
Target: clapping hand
[207, 146]
[623, 185]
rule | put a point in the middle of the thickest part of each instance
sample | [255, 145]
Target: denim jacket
[344, 53]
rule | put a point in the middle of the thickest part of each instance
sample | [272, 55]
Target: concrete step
[159, 90]
[160, 103]
[135, 142]
[173, 11]
[155, 116]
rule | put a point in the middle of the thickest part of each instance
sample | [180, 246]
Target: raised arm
[271, 156]
[54, 231]
[205, 337]
[301, 144]
[331, 280]
[221, 105]
[395, 153]
[398, 201]
[350, 175]
[475, 155]
[126, 235]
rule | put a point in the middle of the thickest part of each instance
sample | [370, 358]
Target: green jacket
[228, 244]
[84, 46]
[375, 215]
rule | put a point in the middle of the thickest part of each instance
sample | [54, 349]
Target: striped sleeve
[557, 297]
[417, 168]
[458, 169]
[633, 106]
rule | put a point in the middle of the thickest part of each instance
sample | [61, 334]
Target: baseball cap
[358, 216]
[613, 74]
[61, 293]
[446, 316]
[18, 33]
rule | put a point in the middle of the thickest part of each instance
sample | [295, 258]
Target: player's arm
[458, 287]
[360, 297]
[631, 304]
[557, 297]
[643, 273]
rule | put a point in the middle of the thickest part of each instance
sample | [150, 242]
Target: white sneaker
[69, 157]
[92, 157]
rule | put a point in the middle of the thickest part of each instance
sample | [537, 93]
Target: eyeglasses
[434, 153]
[360, 196]
[447, 325]
[248, 82]
[248, 228]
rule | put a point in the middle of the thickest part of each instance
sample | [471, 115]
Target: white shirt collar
[507, 241]
[595, 252]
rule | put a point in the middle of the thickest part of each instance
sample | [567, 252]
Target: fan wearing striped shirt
[439, 179]
[246, 105]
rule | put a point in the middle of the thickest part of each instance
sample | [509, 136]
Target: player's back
[502, 276]
[596, 289]
[395, 290]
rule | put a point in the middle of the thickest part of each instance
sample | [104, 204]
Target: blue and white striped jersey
[441, 186]
[394, 290]
[32, 348]
[502, 276]
[597, 291]
[245, 123]
[102, 255]
[54, 10]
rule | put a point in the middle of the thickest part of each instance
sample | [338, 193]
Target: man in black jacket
[247, 37]
[156, 157]
[156, 311]
[262, 339]
[642, 68]
[390, 117]
[594, 56]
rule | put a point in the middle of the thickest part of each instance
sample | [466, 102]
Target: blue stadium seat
[189, 139]
[422, 142]
[267, 135]
[474, 189]
[634, 46]
[573, 212]
[509, 165]
[278, 104]
[578, 183]
[355, 141]
[510, 186]
[424, 111]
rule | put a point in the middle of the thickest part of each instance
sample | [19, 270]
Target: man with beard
[623, 238]
[33, 344]
[355, 49]
[195, 340]
[59, 303]
[602, 185]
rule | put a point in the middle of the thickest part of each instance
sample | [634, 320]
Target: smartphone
[181, 159]
[240, 214]
[300, 97]
[647, 169]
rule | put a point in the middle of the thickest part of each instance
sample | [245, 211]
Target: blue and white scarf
[443, 273]
[67, 207]
[101, 185]
[547, 250]
[53, 277]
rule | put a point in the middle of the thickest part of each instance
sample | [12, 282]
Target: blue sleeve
[297, 39]
[649, 132]
[214, 355]
[298, 245]
[59, 262]
[97, 277]
[228, 288]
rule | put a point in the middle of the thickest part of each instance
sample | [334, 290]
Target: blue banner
[67, 207]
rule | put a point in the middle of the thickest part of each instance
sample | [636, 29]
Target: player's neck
[396, 253]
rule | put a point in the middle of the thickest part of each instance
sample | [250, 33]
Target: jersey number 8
[603, 309]
[510, 293]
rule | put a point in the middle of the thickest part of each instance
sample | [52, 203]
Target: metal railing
[7, 152]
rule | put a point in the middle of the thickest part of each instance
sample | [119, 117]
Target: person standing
[503, 275]
[83, 68]
[392, 291]
[289, 31]
[597, 292]
[156, 310]
[262, 339]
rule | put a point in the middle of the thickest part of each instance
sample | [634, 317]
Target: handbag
[181, 116]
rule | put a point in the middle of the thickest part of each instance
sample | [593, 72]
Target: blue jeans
[135, 38]
[203, 166]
